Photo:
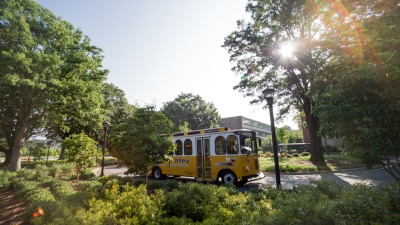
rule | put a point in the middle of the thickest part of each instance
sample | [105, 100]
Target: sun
[286, 50]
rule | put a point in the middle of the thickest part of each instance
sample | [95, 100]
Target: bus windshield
[247, 144]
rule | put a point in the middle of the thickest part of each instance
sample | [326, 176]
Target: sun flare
[286, 50]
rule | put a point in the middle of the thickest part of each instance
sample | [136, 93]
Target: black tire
[228, 178]
[157, 173]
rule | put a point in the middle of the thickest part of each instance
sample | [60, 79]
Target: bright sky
[156, 50]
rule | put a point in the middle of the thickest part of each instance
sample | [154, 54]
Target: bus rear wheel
[228, 178]
[157, 173]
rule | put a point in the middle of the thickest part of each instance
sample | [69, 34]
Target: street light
[105, 126]
[268, 95]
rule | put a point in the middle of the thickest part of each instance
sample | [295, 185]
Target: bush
[153, 185]
[139, 181]
[170, 185]
[55, 170]
[42, 172]
[26, 174]
[61, 189]
[295, 155]
[305, 154]
[5, 177]
[67, 168]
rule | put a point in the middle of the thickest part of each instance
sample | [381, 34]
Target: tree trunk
[7, 160]
[20, 136]
[16, 157]
[312, 127]
[62, 153]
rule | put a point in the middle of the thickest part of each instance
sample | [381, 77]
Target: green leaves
[143, 140]
[81, 150]
[193, 110]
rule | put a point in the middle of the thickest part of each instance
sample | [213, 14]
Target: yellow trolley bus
[211, 155]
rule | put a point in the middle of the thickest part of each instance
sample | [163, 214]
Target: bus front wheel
[157, 173]
[228, 178]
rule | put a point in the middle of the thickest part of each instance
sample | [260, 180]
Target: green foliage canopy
[81, 150]
[363, 104]
[49, 73]
[143, 141]
[192, 109]
[319, 31]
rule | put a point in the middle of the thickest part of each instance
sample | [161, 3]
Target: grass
[303, 164]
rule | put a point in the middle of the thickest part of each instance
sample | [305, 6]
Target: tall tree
[362, 106]
[192, 109]
[143, 140]
[291, 45]
[45, 64]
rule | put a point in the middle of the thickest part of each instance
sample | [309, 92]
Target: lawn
[303, 164]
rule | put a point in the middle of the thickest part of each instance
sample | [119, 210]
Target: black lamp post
[105, 126]
[268, 95]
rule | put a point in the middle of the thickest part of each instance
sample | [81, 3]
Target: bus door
[203, 158]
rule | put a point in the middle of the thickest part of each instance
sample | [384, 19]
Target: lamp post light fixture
[105, 127]
[268, 95]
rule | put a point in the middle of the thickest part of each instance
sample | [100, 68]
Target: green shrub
[194, 200]
[170, 185]
[87, 174]
[268, 154]
[5, 177]
[153, 185]
[67, 168]
[295, 155]
[139, 181]
[23, 187]
[42, 172]
[39, 197]
[27, 174]
[305, 154]
[55, 170]
[61, 189]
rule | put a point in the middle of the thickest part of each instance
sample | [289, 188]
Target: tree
[47, 66]
[291, 45]
[192, 109]
[81, 150]
[282, 135]
[362, 106]
[143, 140]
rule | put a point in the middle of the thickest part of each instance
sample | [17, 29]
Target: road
[376, 177]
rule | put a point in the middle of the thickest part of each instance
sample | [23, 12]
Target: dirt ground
[12, 209]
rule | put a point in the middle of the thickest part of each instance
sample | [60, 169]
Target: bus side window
[188, 147]
[179, 146]
[220, 146]
[232, 144]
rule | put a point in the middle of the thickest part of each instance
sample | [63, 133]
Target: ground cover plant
[302, 163]
[120, 200]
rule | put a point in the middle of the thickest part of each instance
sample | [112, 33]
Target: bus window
[220, 146]
[246, 144]
[188, 147]
[178, 150]
[232, 144]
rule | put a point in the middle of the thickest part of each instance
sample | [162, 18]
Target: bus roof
[206, 131]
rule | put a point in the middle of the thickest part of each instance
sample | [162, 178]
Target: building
[241, 122]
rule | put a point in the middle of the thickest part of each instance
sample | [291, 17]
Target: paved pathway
[376, 177]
